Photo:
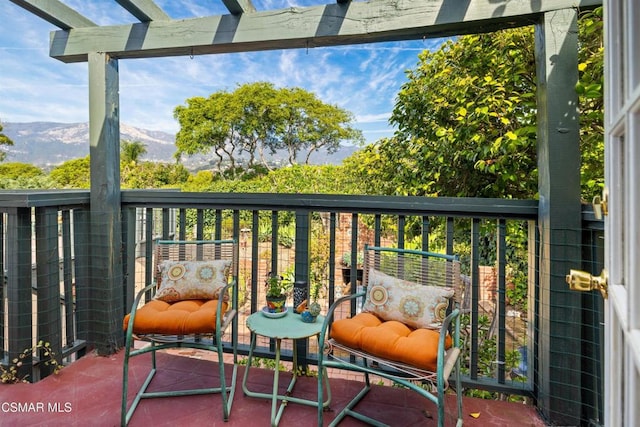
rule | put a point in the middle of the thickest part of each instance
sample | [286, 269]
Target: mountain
[48, 144]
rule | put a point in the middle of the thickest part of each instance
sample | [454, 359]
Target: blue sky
[363, 79]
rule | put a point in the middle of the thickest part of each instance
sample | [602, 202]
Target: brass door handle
[582, 281]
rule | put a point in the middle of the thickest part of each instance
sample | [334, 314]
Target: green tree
[257, 119]
[17, 170]
[466, 120]
[4, 140]
[590, 94]
[155, 175]
[131, 152]
[72, 174]
[305, 124]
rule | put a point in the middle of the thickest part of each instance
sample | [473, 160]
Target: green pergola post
[302, 269]
[105, 292]
[559, 333]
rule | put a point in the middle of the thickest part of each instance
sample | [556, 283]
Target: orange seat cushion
[182, 317]
[390, 339]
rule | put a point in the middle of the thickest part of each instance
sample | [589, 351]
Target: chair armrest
[136, 303]
[452, 318]
[223, 321]
[328, 319]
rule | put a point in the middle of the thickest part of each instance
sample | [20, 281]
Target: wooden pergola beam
[144, 10]
[238, 7]
[327, 25]
[56, 13]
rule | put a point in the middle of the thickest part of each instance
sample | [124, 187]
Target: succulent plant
[314, 308]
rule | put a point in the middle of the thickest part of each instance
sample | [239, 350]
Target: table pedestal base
[276, 412]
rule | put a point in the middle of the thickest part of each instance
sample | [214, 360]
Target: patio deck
[87, 393]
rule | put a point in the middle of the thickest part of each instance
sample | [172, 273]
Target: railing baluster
[148, 251]
[475, 296]
[433, 223]
[3, 285]
[19, 280]
[48, 284]
[501, 301]
[332, 257]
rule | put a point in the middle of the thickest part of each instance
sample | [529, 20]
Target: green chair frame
[426, 268]
[185, 251]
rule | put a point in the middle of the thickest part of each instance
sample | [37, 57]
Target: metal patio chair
[194, 304]
[407, 329]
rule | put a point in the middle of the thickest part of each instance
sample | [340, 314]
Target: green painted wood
[67, 279]
[237, 7]
[35, 198]
[129, 256]
[559, 393]
[302, 28]
[302, 271]
[82, 248]
[437, 206]
[2, 295]
[144, 10]
[475, 296]
[106, 236]
[19, 278]
[55, 12]
[501, 261]
[48, 283]
[354, 261]
[255, 253]
[148, 251]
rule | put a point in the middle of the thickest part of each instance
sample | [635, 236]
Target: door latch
[582, 281]
[601, 205]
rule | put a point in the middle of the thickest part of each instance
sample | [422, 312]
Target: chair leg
[226, 392]
[458, 393]
[125, 384]
[126, 415]
[348, 410]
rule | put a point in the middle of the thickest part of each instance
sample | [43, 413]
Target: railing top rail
[412, 251]
[444, 206]
[40, 198]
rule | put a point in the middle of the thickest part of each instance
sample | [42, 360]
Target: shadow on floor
[87, 393]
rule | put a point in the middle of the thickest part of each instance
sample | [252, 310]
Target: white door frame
[622, 228]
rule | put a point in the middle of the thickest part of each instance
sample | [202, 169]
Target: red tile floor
[87, 393]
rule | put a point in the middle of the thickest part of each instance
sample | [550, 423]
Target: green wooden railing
[48, 247]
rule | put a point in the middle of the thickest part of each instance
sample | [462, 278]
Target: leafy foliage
[10, 375]
[257, 119]
[154, 175]
[309, 179]
[72, 174]
[131, 151]
[277, 286]
[19, 170]
[23, 176]
[466, 120]
[4, 140]
[590, 95]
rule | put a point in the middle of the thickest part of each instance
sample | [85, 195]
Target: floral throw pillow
[183, 280]
[419, 306]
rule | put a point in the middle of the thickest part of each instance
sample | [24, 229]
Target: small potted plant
[277, 288]
[346, 267]
[311, 312]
